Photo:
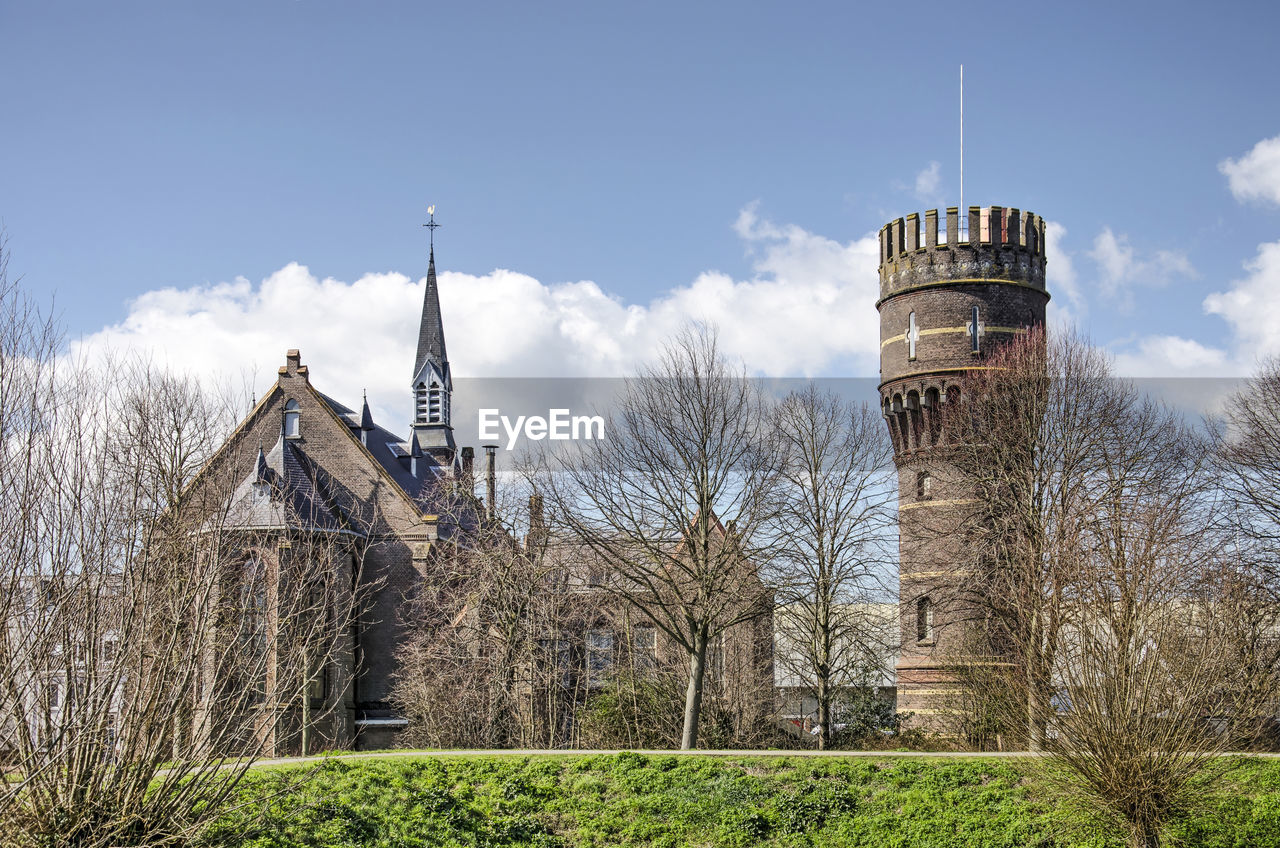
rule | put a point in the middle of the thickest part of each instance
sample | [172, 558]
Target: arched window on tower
[435, 403]
[292, 416]
[420, 403]
[924, 620]
[934, 416]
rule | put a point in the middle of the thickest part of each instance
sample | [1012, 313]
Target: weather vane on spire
[431, 225]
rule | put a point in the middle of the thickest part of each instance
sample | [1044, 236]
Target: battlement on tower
[994, 243]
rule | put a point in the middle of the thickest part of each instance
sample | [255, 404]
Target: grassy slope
[630, 799]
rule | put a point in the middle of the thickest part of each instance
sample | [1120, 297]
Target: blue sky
[186, 175]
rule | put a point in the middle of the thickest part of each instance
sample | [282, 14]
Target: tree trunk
[1035, 731]
[306, 702]
[693, 695]
[1144, 835]
[824, 714]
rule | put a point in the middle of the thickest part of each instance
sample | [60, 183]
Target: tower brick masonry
[947, 301]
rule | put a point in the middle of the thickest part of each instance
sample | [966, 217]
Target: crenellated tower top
[1009, 246]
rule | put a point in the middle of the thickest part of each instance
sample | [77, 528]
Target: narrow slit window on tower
[924, 620]
[975, 330]
[292, 414]
[913, 334]
[924, 486]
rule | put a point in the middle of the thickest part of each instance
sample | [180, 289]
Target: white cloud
[1252, 305]
[1172, 356]
[1067, 305]
[1121, 270]
[1255, 176]
[808, 309]
[927, 182]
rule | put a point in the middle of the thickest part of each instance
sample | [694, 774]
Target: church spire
[431, 330]
[432, 382]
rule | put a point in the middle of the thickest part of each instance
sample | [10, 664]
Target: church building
[321, 479]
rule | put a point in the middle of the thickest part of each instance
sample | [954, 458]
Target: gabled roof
[420, 493]
[387, 449]
[427, 490]
[284, 491]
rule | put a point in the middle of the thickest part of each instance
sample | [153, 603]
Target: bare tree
[151, 646]
[835, 514]
[1143, 664]
[1248, 443]
[1099, 580]
[674, 502]
[1025, 440]
[1247, 452]
[495, 655]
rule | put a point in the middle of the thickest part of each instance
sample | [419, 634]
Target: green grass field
[635, 800]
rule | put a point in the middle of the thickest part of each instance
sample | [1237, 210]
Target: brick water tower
[947, 301]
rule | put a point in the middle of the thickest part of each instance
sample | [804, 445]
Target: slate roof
[394, 454]
[431, 331]
[284, 490]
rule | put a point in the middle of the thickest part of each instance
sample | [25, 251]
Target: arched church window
[319, 609]
[251, 640]
[292, 416]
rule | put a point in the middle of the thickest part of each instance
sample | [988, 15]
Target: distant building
[866, 655]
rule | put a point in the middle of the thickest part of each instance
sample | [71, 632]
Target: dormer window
[292, 414]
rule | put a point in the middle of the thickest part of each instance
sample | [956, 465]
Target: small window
[924, 620]
[924, 486]
[420, 402]
[435, 405]
[292, 428]
[55, 695]
[599, 655]
[644, 647]
[318, 686]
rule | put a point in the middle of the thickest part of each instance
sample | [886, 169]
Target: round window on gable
[292, 428]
